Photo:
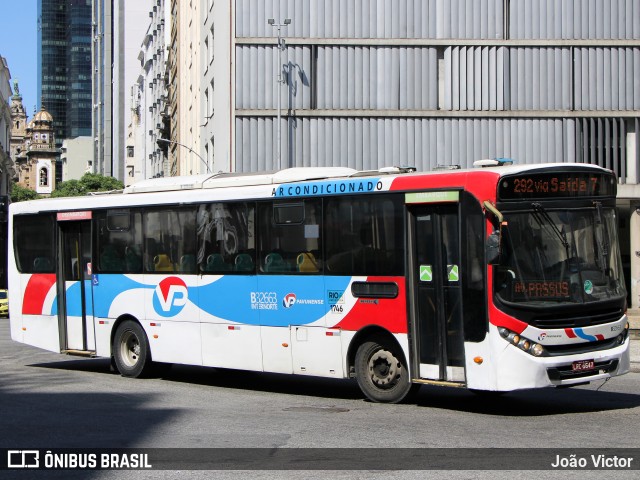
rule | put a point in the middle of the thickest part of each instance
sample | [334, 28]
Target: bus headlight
[522, 343]
[537, 350]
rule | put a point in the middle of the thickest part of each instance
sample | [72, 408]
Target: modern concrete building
[217, 88]
[373, 83]
[150, 112]
[118, 29]
[76, 157]
[166, 95]
[102, 58]
[130, 21]
[184, 88]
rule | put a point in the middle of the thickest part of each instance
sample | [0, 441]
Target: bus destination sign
[556, 185]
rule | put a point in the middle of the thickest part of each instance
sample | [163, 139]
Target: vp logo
[170, 297]
[289, 300]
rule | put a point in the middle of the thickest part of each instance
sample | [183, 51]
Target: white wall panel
[478, 19]
[256, 77]
[575, 19]
[389, 78]
[371, 143]
[607, 78]
[474, 78]
[537, 78]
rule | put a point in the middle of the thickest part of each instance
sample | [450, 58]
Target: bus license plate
[583, 365]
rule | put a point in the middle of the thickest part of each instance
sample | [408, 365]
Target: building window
[206, 104]
[206, 51]
[44, 177]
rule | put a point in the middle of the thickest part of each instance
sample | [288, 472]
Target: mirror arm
[491, 207]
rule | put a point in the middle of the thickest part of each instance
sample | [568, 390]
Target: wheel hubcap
[130, 349]
[384, 369]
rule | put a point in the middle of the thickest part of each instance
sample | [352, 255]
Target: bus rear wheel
[131, 349]
[382, 373]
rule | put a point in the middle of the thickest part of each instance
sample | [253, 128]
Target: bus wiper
[540, 212]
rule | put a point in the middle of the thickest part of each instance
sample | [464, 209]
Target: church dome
[42, 116]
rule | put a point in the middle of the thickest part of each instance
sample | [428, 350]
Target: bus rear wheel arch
[130, 349]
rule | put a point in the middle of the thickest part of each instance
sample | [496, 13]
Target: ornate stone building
[18, 121]
[33, 147]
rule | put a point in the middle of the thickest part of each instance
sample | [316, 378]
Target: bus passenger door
[75, 307]
[436, 289]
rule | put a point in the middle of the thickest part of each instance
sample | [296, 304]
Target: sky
[18, 45]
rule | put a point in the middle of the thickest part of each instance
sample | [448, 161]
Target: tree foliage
[20, 193]
[90, 182]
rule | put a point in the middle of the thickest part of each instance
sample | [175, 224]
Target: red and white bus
[494, 279]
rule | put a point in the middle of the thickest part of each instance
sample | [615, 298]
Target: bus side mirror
[492, 248]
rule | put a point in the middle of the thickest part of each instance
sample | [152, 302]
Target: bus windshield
[560, 256]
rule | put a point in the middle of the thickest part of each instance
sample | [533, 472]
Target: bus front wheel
[131, 349]
[382, 373]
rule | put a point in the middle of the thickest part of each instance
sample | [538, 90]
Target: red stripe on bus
[481, 184]
[36, 292]
[388, 313]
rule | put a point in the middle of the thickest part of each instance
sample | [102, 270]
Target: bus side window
[170, 236]
[289, 232]
[364, 236]
[33, 243]
[119, 236]
[226, 238]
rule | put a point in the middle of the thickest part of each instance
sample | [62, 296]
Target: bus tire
[131, 349]
[382, 373]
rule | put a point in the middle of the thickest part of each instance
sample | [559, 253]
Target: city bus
[495, 278]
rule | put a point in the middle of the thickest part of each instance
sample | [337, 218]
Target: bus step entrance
[80, 353]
